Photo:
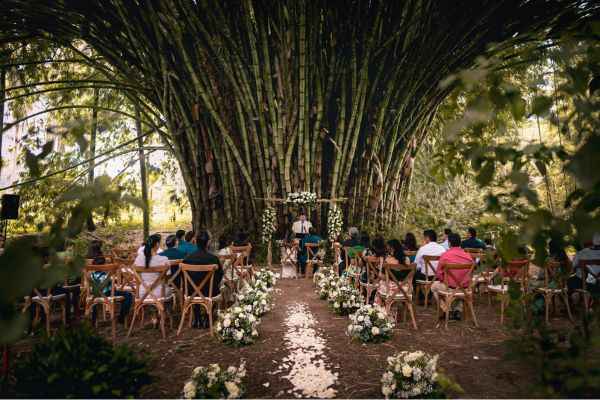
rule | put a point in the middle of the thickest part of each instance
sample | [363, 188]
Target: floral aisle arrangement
[267, 276]
[344, 297]
[325, 280]
[254, 299]
[335, 223]
[214, 382]
[411, 374]
[269, 224]
[301, 198]
[370, 324]
[237, 326]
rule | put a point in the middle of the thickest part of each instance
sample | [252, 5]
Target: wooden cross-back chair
[424, 285]
[290, 252]
[312, 250]
[555, 285]
[409, 253]
[398, 291]
[45, 303]
[514, 271]
[95, 294]
[241, 263]
[193, 294]
[372, 268]
[586, 271]
[355, 263]
[149, 298]
[459, 293]
[174, 282]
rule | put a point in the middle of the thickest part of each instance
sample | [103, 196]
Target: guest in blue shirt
[472, 242]
[312, 237]
[172, 252]
[186, 244]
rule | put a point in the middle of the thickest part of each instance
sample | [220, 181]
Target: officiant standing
[301, 226]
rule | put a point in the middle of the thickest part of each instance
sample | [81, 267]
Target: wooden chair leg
[136, 311]
[566, 301]
[209, 310]
[447, 313]
[426, 288]
[161, 316]
[472, 310]
[113, 322]
[412, 315]
[503, 300]
[185, 310]
[547, 299]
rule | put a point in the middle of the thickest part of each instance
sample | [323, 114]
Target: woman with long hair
[410, 244]
[150, 259]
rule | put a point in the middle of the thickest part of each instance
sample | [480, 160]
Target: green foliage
[77, 363]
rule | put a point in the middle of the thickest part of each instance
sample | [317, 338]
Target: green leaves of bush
[77, 363]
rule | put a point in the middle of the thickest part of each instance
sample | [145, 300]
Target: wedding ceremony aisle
[303, 351]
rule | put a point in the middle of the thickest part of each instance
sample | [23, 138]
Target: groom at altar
[302, 226]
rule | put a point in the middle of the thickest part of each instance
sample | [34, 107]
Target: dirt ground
[473, 357]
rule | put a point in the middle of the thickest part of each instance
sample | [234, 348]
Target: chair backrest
[337, 250]
[188, 282]
[451, 271]
[404, 285]
[516, 271]
[374, 265]
[175, 272]
[475, 252]
[551, 268]
[585, 265]
[312, 249]
[110, 277]
[241, 253]
[410, 253]
[159, 281]
[429, 265]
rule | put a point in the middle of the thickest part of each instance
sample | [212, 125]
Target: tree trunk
[143, 174]
[91, 226]
[2, 97]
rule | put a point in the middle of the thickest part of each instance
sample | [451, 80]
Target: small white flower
[254, 333]
[336, 305]
[407, 371]
[189, 390]
[239, 335]
[227, 323]
[233, 389]
[386, 391]
[375, 331]
[237, 310]
[360, 318]
[380, 315]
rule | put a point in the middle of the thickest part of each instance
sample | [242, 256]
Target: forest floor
[303, 351]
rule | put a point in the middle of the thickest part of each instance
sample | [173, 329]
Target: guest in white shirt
[445, 243]
[302, 226]
[586, 254]
[149, 259]
[140, 251]
[430, 248]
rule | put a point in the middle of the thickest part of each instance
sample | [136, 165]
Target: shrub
[77, 363]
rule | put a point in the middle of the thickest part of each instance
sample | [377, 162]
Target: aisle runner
[309, 373]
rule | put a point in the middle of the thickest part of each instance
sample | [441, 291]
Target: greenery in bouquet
[237, 326]
[335, 223]
[412, 375]
[267, 276]
[254, 299]
[214, 382]
[370, 324]
[301, 198]
[268, 223]
[344, 297]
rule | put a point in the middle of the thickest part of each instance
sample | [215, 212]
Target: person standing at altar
[302, 226]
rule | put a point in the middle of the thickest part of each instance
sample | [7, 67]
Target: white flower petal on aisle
[309, 373]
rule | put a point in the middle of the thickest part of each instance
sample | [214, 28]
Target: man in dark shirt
[472, 242]
[203, 257]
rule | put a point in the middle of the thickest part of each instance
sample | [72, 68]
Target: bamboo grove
[260, 98]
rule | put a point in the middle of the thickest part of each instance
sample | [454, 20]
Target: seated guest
[172, 252]
[150, 259]
[410, 244]
[365, 242]
[312, 237]
[472, 242]
[180, 235]
[241, 239]
[186, 246]
[445, 243]
[430, 248]
[353, 241]
[378, 249]
[587, 253]
[458, 278]
[95, 253]
[203, 257]
[140, 251]
[396, 256]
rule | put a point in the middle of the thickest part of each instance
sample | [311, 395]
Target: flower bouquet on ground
[254, 300]
[267, 276]
[370, 324]
[325, 281]
[214, 382]
[411, 375]
[344, 297]
[237, 326]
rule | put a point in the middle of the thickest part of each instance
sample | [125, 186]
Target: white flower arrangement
[214, 382]
[411, 375]
[343, 297]
[237, 326]
[335, 223]
[370, 324]
[269, 224]
[266, 276]
[255, 299]
[325, 280]
[301, 198]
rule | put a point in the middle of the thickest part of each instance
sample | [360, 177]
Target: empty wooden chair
[449, 295]
[99, 282]
[45, 302]
[193, 293]
[151, 293]
[514, 271]
[424, 285]
[241, 263]
[555, 285]
[394, 291]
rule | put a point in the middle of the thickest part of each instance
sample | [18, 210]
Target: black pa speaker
[10, 206]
